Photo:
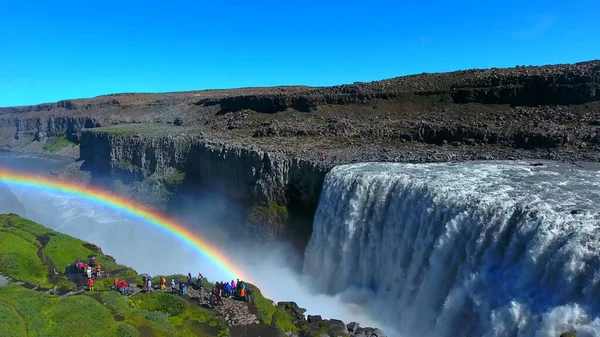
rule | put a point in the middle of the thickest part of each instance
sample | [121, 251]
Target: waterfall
[469, 249]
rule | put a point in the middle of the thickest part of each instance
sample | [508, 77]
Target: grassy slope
[25, 312]
[57, 143]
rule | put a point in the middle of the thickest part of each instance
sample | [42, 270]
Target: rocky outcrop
[523, 86]
[40, 128]
[315, 325]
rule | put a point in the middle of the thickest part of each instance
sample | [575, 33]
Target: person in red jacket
[123, 287]
[91, 284]
[117, 283]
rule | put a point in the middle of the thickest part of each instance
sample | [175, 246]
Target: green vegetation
[273, 215]
[266, 307]
[173, 178]
[40, 257]
[11, 324]
[124, 165]
[30, 252]
[153, 129]
[57, 143]
[283, 320]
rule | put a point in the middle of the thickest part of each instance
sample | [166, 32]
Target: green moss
[124, 165]
[173, 178]
[57, 143]
[11, 323]
[123, 330]
[15, 221]
[19, 260]
[283, 320]
[78, 313]
[266, 307]
[30, 304]
[271, 214]
[158, 301]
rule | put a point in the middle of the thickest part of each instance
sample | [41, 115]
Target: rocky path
[236, 312]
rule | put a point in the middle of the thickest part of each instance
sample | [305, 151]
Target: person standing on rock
[90, 284]
[202, 294]
[228, 290]
[233, 286]
[89, 272]
[249, 295]
[173, 289]
[163, 283]
[116, 284]
[199, 280]
[189, 279]
[149, 285]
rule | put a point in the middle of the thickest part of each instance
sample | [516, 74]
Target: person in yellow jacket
[163, 283]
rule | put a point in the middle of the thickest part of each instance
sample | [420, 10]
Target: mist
[148, 249]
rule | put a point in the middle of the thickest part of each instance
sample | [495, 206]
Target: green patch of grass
[57, 143]
[124, 165]
[265, 306]
[271, 214]
[283, 320]
[11, 323]
[14, 220]
[173, 178]
[123, 330]
[30, 304]
[78, 313]
[158, 301]
[64, 250]
[19, 260]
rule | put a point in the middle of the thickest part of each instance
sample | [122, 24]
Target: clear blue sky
[52, 50]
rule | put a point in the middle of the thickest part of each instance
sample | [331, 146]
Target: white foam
[464, 249]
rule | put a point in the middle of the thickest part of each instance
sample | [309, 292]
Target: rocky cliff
[263, 182]
[42, 127]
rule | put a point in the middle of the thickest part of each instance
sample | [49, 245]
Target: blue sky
[52, 50]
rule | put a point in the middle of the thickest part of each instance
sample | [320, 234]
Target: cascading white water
[469, 249]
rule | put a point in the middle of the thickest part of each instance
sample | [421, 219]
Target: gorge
[443, 242]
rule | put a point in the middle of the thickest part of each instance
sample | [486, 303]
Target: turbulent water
[470, 249]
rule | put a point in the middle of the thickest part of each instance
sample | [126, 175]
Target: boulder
[337, 327]
[377, 333]
[39, 136]
[352, 326]
[314, 318]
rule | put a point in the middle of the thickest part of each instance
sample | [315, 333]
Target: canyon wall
[279, 193]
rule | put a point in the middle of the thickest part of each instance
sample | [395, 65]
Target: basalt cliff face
[269, 185]
[270, 148]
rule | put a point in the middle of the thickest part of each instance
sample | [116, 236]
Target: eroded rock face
[71, 127]
[250, 175]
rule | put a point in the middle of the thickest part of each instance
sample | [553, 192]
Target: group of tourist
[234, 289]
[237, 290]
[92, 271]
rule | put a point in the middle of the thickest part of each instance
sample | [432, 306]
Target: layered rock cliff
[259, 180]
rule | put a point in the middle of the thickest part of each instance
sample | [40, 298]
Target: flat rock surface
[3, 281]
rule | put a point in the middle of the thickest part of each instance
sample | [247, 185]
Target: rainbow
[99, 196]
